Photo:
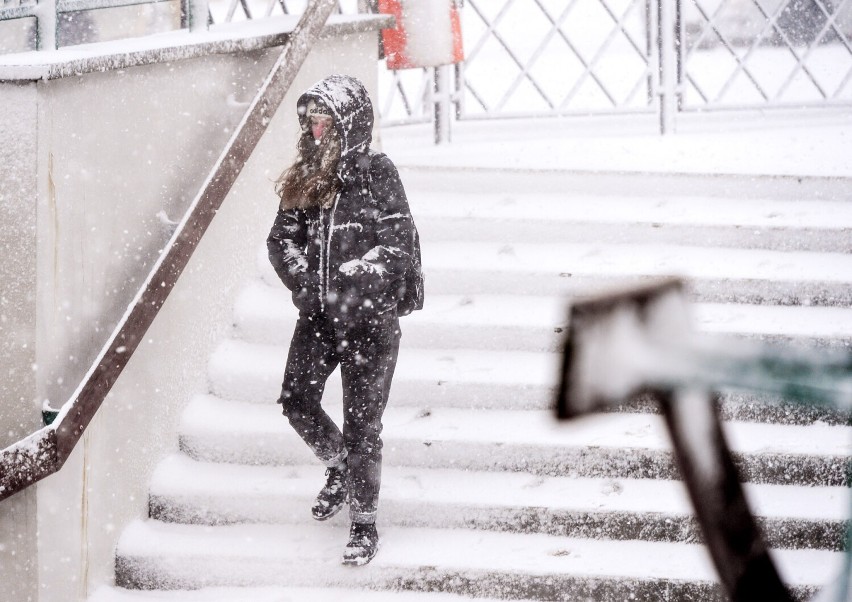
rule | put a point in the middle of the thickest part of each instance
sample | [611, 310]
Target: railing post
[650, 43]
[46, 25]
[443, 99]
[458, 93]
[667, 53]
[194, 15]
[458, 76]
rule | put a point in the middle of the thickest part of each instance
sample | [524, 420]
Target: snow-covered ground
[471, 445]
[273, 594]
[469, 439]
[794, 144]
[769, 142]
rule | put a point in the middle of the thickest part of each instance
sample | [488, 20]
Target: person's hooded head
[336, 121]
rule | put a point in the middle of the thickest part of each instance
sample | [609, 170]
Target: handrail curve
[45, 451]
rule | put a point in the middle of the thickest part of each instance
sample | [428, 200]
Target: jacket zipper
[322, 259]
[325, 250]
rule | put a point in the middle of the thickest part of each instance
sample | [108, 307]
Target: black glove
[306, 295]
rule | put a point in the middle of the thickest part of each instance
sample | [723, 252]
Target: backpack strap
[411, 291]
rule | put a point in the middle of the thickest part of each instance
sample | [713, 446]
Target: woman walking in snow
[345, 244]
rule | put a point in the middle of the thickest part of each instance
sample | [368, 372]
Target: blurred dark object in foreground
[641, 341]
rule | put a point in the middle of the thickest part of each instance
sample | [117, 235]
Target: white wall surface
[17, 262]
[115, 149]
[19, 413]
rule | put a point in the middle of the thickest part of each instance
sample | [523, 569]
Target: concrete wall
[18, 193]
[113, 150]
[117, 150]
[19, 414]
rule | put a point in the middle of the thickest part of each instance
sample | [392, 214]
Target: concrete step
[754, 291]
[187, 491]
[155, 555]
[575, 269]
[757, 407]
[509, 216]
[467, 378]
[727, 275]
[276, 594]
[705, 188]
[423, 377]
[610, 445]
[439, 229]
[265, 314]
[689, 208]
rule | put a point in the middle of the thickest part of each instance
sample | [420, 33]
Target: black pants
[366, 352]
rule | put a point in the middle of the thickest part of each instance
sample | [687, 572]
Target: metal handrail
[45, 451]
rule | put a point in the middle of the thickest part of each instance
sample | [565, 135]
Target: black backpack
[411, 288]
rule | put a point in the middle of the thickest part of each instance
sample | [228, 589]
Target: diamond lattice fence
[405, 95]
[766, 52]
[561, 56]
[228, 11]
[555, 56]
[536, 57]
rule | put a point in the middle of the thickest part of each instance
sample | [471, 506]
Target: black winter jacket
[353, 259]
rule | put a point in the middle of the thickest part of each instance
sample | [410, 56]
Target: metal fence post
[443, 102]
[46, 25]
[194, 15]
[650, 46]
[458, 93]
[680, 54]
[458, 76]
[667, 53]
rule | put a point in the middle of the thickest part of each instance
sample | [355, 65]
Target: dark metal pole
[730, 532]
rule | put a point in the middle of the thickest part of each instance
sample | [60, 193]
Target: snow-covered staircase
[484, 493]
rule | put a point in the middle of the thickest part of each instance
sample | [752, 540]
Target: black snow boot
[363, 544]
[332, 497]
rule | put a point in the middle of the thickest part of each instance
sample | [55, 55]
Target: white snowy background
[762, 143]
[759, 142]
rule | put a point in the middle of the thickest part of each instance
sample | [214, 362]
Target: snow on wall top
[172, 46]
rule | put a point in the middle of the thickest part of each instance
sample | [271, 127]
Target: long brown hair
[312, 179]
